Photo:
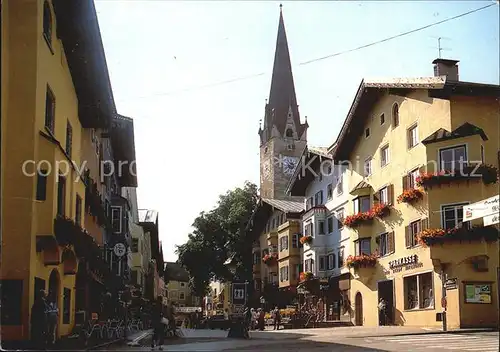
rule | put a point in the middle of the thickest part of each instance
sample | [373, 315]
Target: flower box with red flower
[358, 219]
[380, 210]
[306, 276]
[361, 261]
[306, 239]
[487, 173]
[430, 237]
[270, 258]
[410, 196]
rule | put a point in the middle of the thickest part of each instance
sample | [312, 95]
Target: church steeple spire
[282, 98]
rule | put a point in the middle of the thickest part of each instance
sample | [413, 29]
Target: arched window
[47, 22]
[289, 132]
[395, 115]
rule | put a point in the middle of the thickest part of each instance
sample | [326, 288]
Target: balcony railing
[316, 210]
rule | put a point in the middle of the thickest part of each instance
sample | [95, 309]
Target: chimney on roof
[445, 67]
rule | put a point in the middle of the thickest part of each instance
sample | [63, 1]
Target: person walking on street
[277, 318]
[262, 320]
[52, 317]
[39, 321]
[158, 327]
[382, 314]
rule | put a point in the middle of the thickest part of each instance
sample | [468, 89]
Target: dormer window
[289, 133]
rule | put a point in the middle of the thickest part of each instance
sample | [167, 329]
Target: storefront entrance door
[358, 306]
[386, 309]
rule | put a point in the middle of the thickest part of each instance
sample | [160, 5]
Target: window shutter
[390, 194]
[405, 182]
[390, 242]
[408, 240]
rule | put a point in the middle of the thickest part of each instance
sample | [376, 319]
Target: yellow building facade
[396, 138]
[276, 261]
[44, 113]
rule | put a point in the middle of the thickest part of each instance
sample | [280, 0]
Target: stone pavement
[393, 338]
[485, 342]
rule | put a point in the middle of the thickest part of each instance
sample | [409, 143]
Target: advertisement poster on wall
[477, 293]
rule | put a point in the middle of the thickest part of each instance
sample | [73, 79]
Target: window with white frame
[318, 198]
[283, 243]
[331, 261]
[321, 227]
[308, 229]
[412, 136]
[452, 216]
[116, 219]
[182, 296]
[411, 234]
[256, 258]
[453, 158]
[384, 155]
[341, 257]
[362, 246]
[329, 191]
[329, 223]
[309, 265]
[340, 185]
[368, 167]
[284, 273]
[384, 195]
[340, 218]
[295, 240]
[322, 263]
[183, 284]
[309, 203]
[383, 244]
[412, 178]
[419, 291]
[361, 204]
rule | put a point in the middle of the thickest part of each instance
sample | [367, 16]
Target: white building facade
[326, 243]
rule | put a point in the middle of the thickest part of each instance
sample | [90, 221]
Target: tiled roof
[287, 206]
[323, 151]
[464, 130]
[360, 186]
[176, 272]
[406, 82]
[371, 90]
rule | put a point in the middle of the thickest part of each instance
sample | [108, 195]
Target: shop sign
[481, 209]
[492, 219]
[451, 284]
[408, 263]
[187, 309]
[478, 293]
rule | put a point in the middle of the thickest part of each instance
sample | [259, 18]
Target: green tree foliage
[218, 235]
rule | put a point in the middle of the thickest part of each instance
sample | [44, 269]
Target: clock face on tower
[289, 164]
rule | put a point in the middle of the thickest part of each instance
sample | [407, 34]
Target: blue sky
[193, 143]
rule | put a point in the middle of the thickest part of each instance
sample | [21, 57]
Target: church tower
[283, 137]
